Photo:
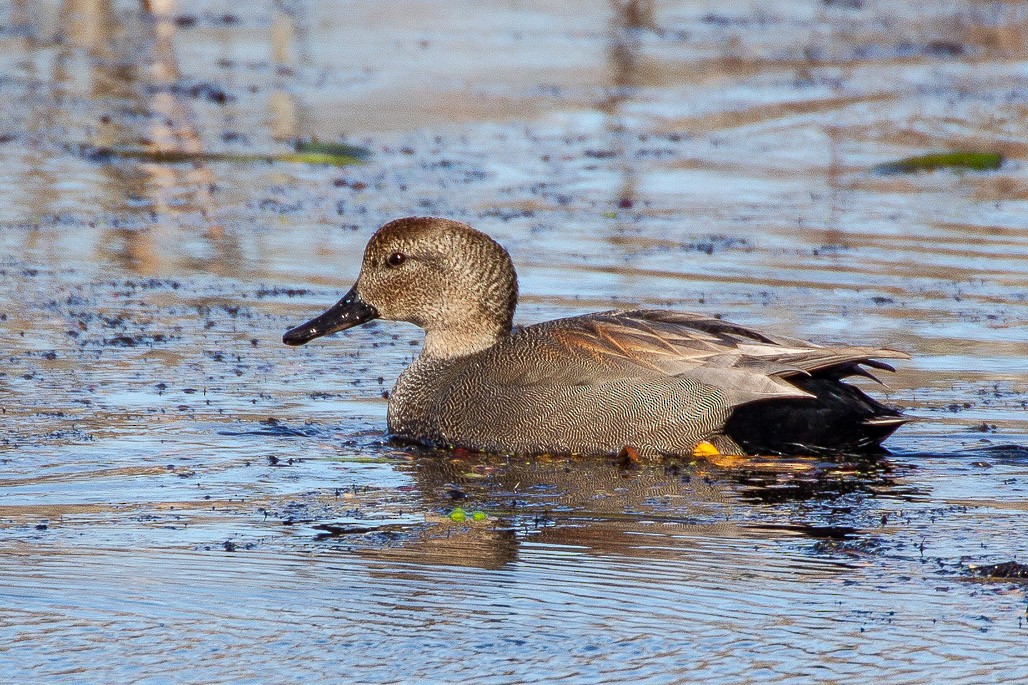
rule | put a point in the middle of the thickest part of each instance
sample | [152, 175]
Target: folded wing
[747, 365]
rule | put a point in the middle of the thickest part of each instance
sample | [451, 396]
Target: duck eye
[396, 259]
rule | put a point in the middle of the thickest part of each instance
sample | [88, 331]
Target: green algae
[966, 160]
[304, 152]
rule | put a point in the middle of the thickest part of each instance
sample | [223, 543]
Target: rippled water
[184, 499]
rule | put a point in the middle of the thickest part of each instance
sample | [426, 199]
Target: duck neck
[449, 343]
[478, 324]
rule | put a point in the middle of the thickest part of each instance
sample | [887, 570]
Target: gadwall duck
[661, 382]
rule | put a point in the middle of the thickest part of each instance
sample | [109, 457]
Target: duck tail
[839, 419]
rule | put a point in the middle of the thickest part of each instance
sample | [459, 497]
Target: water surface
[184, 499]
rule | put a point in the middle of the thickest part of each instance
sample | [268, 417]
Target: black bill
[346, 313]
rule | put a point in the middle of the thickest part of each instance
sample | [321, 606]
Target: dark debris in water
[1008, 570]
[188, 21]
[198, 90]
[824, 482]
[146, 340]
[813, 531]
[283, 462]
[276, 292]
[275, 428]
[374, 533]
[709, 244]
[1007, 451]
[229, 546]
[849, 547]
[338, 530]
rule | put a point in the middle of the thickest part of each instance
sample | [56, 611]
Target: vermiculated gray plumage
[658, 381]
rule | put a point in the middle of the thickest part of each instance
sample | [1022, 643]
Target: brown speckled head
[456, 283]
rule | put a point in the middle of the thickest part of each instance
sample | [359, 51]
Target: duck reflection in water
[599, 506]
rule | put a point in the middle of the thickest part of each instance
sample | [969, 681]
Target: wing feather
[615, 345]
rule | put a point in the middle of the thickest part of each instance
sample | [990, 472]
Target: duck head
[456, 283]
